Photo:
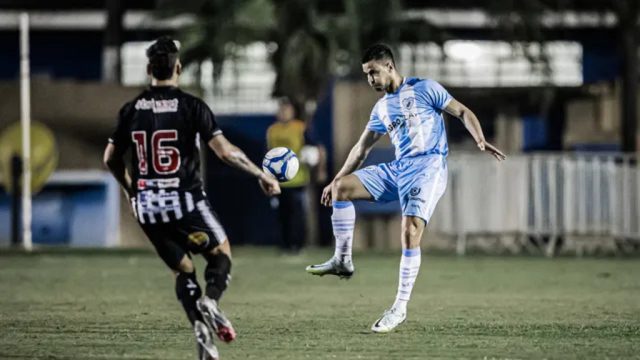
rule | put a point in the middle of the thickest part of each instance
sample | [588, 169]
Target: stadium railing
[542, 200]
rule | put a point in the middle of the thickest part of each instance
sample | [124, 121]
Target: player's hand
[485, 146]
[132, 198]
[133, 206]
[270, 186]
[326, 195]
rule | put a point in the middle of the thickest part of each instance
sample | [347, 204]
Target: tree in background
[311, 48]
[220, 27]
[302, 59]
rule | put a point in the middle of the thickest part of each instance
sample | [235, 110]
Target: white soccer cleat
[333, 267]
[207, 350]
[389, 321]
[215, 319]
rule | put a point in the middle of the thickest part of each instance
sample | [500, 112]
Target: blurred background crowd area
[553, 82]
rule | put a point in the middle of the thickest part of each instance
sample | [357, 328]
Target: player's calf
[188, 292]
[343, 220]
[412, 229]
[217, 274]
[217, 277]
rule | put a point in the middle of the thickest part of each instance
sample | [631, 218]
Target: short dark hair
[162, 55]
[378, 52]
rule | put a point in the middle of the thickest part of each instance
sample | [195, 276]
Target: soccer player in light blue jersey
[410, 112]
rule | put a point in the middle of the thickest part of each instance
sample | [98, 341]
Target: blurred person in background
[291, 132]
[162, 127]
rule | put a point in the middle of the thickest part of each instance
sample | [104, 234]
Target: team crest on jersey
[408, 103]
[415, 191]
[198, 238]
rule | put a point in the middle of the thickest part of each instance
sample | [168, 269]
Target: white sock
[343, 220]
[409, 268]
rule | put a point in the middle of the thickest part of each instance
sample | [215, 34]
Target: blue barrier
[75, 208]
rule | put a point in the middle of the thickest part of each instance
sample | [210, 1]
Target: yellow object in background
[290, 134]
[44, 154]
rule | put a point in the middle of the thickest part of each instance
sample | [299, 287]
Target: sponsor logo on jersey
[198, 238]
[158, 106]
[158, 183]
[396, 123]
[401, 121]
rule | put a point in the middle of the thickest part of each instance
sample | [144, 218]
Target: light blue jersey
[412, 116]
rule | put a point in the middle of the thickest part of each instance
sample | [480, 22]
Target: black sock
[217, 275]
[188, 292]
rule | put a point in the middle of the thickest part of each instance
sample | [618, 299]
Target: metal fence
[542, 198]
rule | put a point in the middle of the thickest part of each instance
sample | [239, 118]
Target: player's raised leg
[343, 221]
[217, 275]
[412, 229]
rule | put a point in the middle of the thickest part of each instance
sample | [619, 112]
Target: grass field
[121, 305]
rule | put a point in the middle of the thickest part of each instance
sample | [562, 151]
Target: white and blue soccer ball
[282, 163]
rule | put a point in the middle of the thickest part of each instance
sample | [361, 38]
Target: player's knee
[185, 265]
[342, 190]
[409, 238]
[412, 228]
[224, 248]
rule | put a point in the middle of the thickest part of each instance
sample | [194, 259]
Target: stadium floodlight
[25, 120]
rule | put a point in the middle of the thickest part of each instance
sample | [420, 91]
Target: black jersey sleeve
[206, 122]
[120, 137]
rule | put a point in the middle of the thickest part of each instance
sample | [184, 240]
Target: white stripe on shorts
[189, 200]
[211, 221]
[430, 203]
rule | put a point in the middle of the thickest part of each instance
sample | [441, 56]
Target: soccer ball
[282, 163]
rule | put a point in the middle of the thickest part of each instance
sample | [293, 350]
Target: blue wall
[600, 61]
[61, 54]
[236, 197]
[534, 129]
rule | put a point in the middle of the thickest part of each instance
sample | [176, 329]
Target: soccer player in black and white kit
[162, 127]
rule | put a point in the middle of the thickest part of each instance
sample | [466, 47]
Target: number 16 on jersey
[164, 158]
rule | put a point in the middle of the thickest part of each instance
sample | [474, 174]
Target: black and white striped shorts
[197, 230]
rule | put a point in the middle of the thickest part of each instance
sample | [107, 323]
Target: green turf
[122, 306]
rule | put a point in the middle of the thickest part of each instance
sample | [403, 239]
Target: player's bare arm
[235, 157]
[116, 165]
[356, 157]
[472, 124]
